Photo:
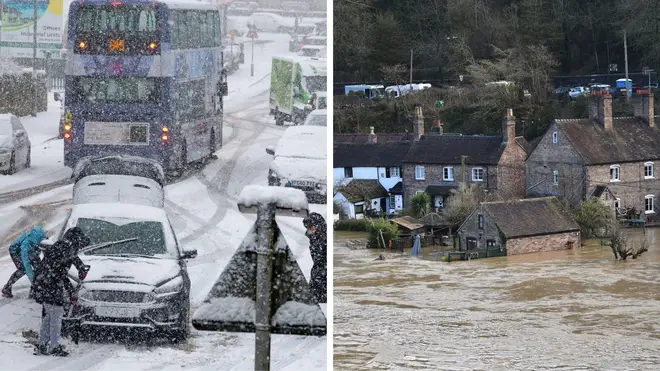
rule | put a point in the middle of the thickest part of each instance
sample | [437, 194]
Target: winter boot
[6, 292]
[41, 350]
[59, 351]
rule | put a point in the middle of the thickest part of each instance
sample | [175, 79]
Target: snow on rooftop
[293, 313]
[284, 198]
[227, 309]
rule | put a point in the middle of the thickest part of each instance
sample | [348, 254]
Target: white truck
[297, 86]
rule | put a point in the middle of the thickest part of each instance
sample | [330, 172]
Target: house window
[477, 174]
[348, 172]
[393, 172]
[418, 192]
[392, 201]
[419, 172]
[359, 209]
[554, 137]
[555, 177]
[490, 243]
[471, 243]
[617, 203]
[448, 173]
[648, 170]
[649, 204]
[615, 175]
[481, 221]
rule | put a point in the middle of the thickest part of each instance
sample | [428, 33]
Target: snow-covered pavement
[205, 217]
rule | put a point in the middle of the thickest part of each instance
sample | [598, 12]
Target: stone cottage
[577, 155]
[522, 226]
[438, 163]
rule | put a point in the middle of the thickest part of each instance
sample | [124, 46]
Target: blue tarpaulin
[417, 246]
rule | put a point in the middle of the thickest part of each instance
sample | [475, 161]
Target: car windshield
[317, 120]
[124, 237]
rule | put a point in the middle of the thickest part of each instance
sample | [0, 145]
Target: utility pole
[625, 54]
[265, 252]
[2, 6]
[35, 95]
[411, 67]
[252, 63]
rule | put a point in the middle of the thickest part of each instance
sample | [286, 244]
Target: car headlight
[169, 288]
[86, 294]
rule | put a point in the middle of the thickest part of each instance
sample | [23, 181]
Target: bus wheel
[279, 118]
[182, 162]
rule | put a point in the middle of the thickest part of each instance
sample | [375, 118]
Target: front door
[470, 243]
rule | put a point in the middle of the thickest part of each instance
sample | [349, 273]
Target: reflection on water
[567, 310]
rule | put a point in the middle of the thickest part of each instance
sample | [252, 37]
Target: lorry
[365, 91]
[296, 83]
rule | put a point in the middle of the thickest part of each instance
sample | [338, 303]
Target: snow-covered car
[237, 26]
[317, 117]
[271, 22]
[138, 275]
[299, 161]
[316, 51]
[15, 146]
[315, 40]
[119, 179]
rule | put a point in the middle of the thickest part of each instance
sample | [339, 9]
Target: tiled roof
[362, 190]
[363, 138]
[448, 149]
[529, 217]
[370, 154]
[631, 140]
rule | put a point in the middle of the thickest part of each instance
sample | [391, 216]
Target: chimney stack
[438, 126]
[419, 122]
[600, 109]
[372, 136]
[643, 108]
[509, 127]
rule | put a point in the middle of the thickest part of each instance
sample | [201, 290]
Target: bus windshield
[121, 18]
[116, 90]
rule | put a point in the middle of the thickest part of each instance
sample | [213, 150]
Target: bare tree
[624, 247]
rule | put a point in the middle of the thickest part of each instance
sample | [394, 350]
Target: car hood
[295, 168]
[146, 271]
[5, 141]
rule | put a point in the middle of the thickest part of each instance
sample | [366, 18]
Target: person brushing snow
[50, 281]
[318, 247]
[24, 253]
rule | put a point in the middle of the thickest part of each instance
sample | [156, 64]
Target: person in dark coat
[318, 247]
[51, 279]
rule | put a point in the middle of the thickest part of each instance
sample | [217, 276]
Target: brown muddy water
[568, 310]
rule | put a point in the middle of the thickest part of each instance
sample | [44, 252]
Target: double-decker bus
[144, 78]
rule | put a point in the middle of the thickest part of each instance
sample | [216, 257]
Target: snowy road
[203, 210]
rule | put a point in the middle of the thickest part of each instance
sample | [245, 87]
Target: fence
[56, 83]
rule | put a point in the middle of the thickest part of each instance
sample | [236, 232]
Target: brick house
[438, 163]
[522, 226]
[576, 156]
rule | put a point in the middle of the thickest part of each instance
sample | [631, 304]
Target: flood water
[567, 310]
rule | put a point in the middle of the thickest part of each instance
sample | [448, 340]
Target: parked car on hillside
[15, 145]
[138, 277]
[299, 161]
[578, 91]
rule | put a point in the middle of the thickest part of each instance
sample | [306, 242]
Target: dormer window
[615, 174]
[554, 137]
[648, 170]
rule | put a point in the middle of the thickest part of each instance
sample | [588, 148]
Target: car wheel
[12, 164]
[181, 335]
[28, 159]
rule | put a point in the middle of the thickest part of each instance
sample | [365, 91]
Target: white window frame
[617, 203]
[395, 172]
[554, 137]
[420, 173]
[616, 178]
[555, 177]
[652, 198]
[418, 192]
[392, 202]
[652, 172]
[475, 171]
[448, 173]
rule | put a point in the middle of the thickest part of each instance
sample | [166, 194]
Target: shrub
[336, 207]
[390, 232]
[420, 205]
[352, 225]
[465, 199]
[593, 216]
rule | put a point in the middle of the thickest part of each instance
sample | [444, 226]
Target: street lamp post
[252, 62]
[34, 62]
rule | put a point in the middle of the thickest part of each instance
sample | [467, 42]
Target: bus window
[116, 89]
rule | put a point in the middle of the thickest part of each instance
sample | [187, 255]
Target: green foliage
[390, 232]
[420, 205]
[352, 225]
[593, 216]
[336, 207]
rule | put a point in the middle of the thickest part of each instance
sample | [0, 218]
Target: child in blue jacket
[24, 253]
